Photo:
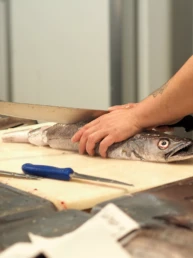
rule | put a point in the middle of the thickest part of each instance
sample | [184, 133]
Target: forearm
[172, 101]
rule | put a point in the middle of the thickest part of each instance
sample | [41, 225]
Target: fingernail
[103, 155]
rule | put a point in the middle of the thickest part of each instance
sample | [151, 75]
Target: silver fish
[184, 220]
[170, 234]
[151, 247]
[150, 146]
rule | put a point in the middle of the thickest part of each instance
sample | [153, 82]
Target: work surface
[81, 194]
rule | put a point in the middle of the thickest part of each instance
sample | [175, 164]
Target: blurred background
[91, 53]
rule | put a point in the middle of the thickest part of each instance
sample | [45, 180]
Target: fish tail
[20, 136]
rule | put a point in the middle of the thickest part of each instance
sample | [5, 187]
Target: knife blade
[47, 113]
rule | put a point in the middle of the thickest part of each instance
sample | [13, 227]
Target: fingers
[89, 139]
[107, 129]
[93, 139]
[77, 136]
[105, 144]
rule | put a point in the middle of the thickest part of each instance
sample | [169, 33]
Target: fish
[185, 221]
[149, 145]
[150, 247]
[170, 234]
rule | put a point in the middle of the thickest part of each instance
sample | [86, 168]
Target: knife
[65, 174]
[49, 113]
[65, 114]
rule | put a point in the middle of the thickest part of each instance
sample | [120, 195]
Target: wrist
[146, 116]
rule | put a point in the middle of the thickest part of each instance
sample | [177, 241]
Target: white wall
[60, 52]
[154, 45]
[129, 52]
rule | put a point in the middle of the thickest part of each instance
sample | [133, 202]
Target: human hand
[161, 128]
[113, 127]
[128, 106]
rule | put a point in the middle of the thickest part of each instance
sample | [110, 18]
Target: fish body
[149, 247]
[150, 145]
[185, 220]
[167, 241]
[170, 234]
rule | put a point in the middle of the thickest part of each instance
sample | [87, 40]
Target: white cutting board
[83, 194]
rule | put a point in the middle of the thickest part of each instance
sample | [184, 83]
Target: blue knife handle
[47, 171]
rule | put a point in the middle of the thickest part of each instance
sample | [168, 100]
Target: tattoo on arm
[159, 91]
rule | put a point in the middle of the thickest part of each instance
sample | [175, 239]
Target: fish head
[161, 147]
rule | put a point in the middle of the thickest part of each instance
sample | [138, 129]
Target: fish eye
[163, 144]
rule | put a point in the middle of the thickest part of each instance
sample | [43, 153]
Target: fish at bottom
[168, 241]
[154, 247]
[151, 146]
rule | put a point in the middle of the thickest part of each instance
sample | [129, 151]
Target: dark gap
[9, 49]
[136, 50]
[41, 256]
[115, 51]
[182, 41]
